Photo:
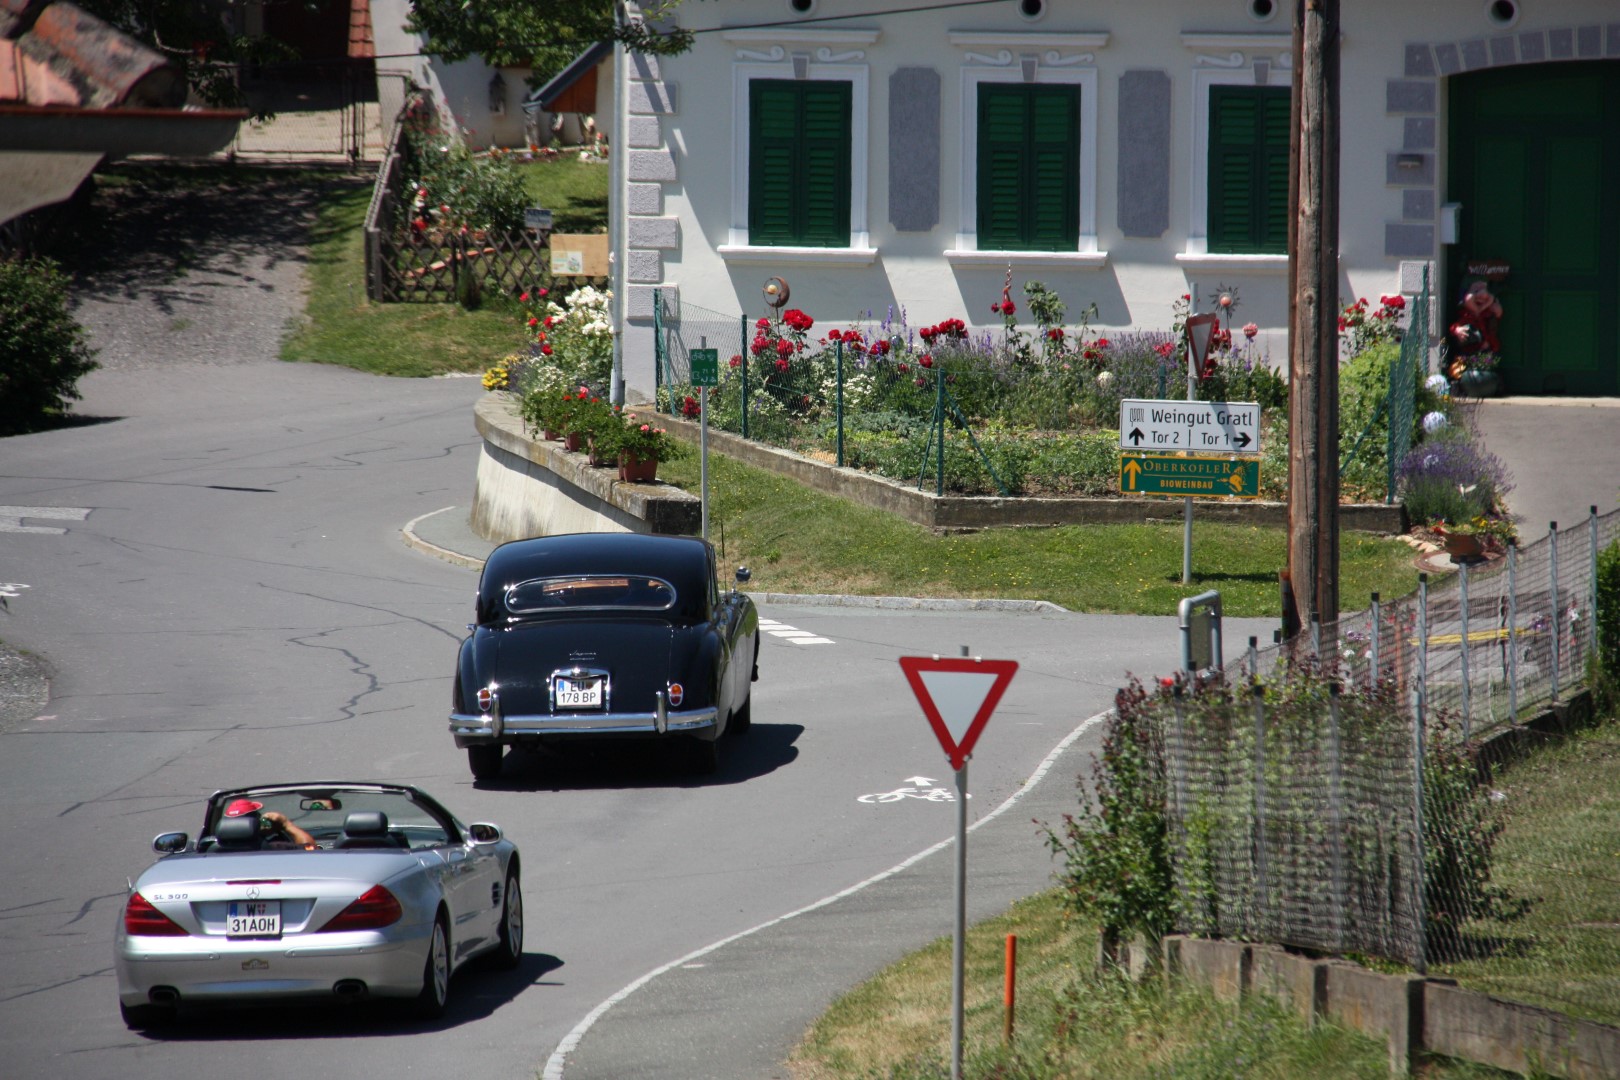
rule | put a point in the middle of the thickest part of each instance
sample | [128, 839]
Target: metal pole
[1187, 503]
[743, 405]
[1009, 989]
[1372, 656]
[1513, 630]
[839, 409]
[1423, 647]
[939, 426]
[703, 446]
[1591, 622]
[1419, 860]
[958, 943]
[1556, 627]
[1462, 600]
[1254, 659]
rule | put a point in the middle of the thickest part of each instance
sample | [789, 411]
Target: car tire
[743, 718]
[435, 995]
[485, 760]
[704, 755]
[510, 953]
[146, 1017]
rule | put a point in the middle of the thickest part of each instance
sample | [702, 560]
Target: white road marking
[792, 634]
[571, 1041]
[11, 518]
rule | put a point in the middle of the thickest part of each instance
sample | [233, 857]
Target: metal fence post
[1556, 624]
[1335, 816]
[1254, 659]
[839, 408]
[744, 352]
[1513, 629]
[1260, 869]
[1591, 622]
[1372, 655]
[939, 428]
[1423, 645]
[1419, 873]
[1462, 604]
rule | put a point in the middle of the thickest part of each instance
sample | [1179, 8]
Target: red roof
[57, 54]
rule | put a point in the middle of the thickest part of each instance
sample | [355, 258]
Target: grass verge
[1069, 1023]
[1557, 943]
[798, 540]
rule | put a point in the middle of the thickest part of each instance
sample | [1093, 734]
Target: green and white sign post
[705, 364]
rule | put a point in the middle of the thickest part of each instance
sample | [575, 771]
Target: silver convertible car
[335, 891]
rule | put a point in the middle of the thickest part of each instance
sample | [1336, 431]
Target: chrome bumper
[471, 728]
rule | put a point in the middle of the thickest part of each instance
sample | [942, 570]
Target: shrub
[1449, 477]
[42, 349]
[1606, 683]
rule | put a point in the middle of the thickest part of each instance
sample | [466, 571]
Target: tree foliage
[42, 349]
[542, 34]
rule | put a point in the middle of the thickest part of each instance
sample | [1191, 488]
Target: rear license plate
[578, 693]
[253, 918]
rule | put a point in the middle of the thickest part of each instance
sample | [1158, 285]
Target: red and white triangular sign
[1200, 329]
[957, 694]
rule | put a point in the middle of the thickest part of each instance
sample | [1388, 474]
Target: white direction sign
[1201, 427]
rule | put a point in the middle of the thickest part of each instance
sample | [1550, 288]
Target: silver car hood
[363, 864]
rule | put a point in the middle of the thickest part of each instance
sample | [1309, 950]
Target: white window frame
[1051, 60]
[1225, 60]
[824, 55]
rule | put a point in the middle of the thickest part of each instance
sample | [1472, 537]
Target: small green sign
[705, 367]
[1189, 476]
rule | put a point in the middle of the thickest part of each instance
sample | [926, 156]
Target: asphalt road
[221, 588]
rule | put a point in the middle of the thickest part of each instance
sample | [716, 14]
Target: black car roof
[683, 561]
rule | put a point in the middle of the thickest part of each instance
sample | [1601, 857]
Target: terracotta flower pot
[1464, 546]
[637, 470]
[592, 456]
[547, 434]
[573, 441]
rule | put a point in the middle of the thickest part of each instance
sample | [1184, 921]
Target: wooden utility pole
[1313, 272]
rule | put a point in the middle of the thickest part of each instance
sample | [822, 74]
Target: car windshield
[590, 591]
[322, 811]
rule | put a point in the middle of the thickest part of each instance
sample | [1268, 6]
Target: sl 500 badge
[255, 965]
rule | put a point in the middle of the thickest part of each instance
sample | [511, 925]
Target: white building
[1122, 153]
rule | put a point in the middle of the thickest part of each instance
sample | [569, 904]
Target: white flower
[1433, 422]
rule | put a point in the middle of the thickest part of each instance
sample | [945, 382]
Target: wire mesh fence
[1329, 793]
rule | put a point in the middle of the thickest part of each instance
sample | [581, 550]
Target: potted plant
[641, 446]
[1478, 378]
[591, 428]
[1470, 540]
[549, 411]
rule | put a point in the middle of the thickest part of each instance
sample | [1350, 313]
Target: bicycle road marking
[792, 634]
[11, 518]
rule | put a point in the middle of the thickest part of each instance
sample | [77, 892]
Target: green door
[1533, 152]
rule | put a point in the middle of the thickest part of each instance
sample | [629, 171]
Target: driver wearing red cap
[273, 821]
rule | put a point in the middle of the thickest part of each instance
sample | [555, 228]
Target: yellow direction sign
[1189, 476]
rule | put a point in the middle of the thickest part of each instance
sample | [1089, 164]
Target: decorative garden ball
[1437, 383]
[1433, 422]
[1104, 378]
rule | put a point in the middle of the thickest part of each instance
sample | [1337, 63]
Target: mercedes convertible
[324, 891]
[602, 636]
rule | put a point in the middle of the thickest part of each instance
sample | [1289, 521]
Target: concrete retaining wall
[985, 512]
[526, 487]
[1413, 1015]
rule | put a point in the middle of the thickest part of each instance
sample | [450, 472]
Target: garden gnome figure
[1475, 331]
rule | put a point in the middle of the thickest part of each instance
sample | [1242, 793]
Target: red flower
[1250, 330]
[798, 320]
[784, 348]
[835, 335]
[782, 364]
[763, 324]
[1165, 348]
[1089, 354]
[521, 296]
[533, 322]
[736, 360]
[545, 292]
[881, 346]
[550, 322]
[1056, 333]
[690, 407]
[921, 381]
[420, 224]
[545, 350]
[760, 345]
[903, 367]
[1102, 343]
[927, 333]
[925, 360]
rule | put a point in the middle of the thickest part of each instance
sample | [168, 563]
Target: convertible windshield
[590, 591]
[323, 811]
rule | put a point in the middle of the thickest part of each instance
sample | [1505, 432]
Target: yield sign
[957, 695]
[1200, 328]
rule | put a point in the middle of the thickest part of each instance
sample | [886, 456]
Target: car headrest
[368, 823]
[238, 833]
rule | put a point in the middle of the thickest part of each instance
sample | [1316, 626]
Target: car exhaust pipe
[167, 996]
[661, 716]
[350, 989]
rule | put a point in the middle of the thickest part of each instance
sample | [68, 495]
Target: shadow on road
[475, 993]
[645, 763]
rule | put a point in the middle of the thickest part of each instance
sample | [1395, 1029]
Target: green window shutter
[798, 162]
[1248, 170]
[1029, 167]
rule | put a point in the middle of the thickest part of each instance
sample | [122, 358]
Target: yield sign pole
[957, 696]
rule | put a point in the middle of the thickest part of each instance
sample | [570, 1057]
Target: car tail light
[375, 909]
[144, 920]
[486, 698]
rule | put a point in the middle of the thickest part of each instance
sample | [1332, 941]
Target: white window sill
[1206, 261]
[804, 256]
[1071, 260]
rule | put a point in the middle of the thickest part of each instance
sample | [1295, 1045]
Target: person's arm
[288, 829]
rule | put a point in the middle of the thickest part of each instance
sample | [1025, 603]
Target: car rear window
[590, 592]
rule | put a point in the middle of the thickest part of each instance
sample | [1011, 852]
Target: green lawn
[798, 540]
[575, 191]
[1070, 1023]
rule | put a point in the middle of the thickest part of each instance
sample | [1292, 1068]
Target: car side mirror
[170, 843]
[743, 575]
[482, 832]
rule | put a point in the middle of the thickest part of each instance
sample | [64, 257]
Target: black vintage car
[600, 636]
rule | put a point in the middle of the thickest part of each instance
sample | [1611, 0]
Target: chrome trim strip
[479, 726]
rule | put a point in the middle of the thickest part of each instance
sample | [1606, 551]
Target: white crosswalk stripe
[792, 634]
